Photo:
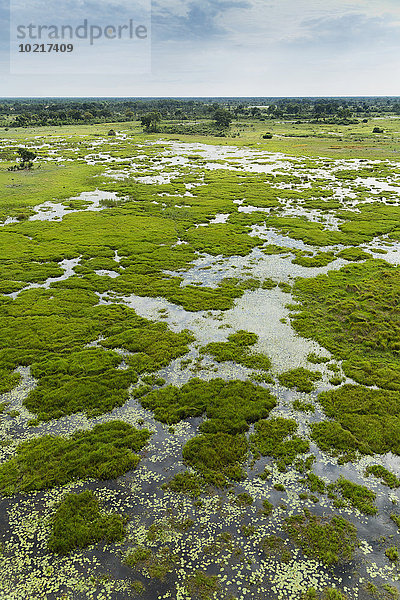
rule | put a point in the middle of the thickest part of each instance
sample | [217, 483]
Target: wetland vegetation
[199, 350]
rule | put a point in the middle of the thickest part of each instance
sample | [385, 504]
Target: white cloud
[255, 47]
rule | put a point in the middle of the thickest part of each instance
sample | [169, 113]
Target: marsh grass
[237, 349]
[366, 420]
[79, 522]
[300, 379]
[270, 439]
[330, 540]
[352, 312]
[105, 452]
[386, 477]
[274, 547]
[202, 586]
[191, 484]
[218, 457]
[229, 405]
[358, 496]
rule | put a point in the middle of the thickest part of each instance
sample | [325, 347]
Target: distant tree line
[26, 112]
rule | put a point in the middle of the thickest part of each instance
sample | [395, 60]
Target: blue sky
[232, 48]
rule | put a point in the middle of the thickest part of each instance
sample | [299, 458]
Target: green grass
[8, 380]
[392, 554]
[317, 359]
[187, 483]
[237, 349]
[329, 540]
[358, 496]
[223, 240]
[315, 483]
[49, 329]
[79, 522]
[366, 420]
[353, 254]
[386, 477]
[306, 407]
[321, 259]
[157, 564]
[202, 586]
[334, 439]
[396, 519]
[244, 499]
[137, 555]
[300, 379]
[273, 546]
[353, 313]
[105, 452]
[271, 439]
[22, 190]
[218, 457]
[229, 405]
[267, 508]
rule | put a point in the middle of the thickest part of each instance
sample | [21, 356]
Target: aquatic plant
[79, 522]
[384, 475]
[359, 496]
[237, 350]
[105, 452]
[270, 439]
[330, 540]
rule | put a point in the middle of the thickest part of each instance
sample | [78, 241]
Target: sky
[210, 48]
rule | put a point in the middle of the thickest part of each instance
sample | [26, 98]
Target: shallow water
[29, 571]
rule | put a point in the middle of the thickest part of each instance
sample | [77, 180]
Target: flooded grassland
[200, 372]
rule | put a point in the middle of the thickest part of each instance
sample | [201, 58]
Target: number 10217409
[45, 47]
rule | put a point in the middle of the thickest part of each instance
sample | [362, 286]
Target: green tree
[150, 121]
[222, 117]
[26, 156]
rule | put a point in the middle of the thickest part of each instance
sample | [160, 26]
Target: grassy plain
[200, 231]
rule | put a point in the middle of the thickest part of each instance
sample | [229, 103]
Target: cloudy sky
[219, 48]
